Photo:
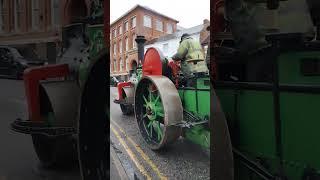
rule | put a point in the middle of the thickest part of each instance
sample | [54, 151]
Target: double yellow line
[139, 150]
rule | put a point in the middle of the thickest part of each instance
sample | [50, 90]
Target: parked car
[12, 63]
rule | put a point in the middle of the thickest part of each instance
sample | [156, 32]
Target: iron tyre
[55, 152]
[158, 110]
[126, 109]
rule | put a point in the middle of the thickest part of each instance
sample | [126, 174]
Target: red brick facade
[121, 61]
[38, 22]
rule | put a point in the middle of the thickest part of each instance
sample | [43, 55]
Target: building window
[55, 13]
[133, 22]
[134, 44]
[1, 15]
[35, 14]
[159, 25]
[120, 47]
[114, 65]
[114, 48]
[113, 33]
[127, 64]
[169, 28]
[165, 48]
[119, 30]
[127, 44]
[18, 14]
[147, 21]
[125, 26]
[121, 64]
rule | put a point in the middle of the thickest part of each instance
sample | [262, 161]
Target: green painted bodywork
[250, 115]
[96, 39]
[198, 134]
[96, 44]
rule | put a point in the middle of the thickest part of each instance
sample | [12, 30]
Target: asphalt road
[18, 160]
[181, 160]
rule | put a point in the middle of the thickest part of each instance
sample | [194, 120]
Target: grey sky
[189, 13]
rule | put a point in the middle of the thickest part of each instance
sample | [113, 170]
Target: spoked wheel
[158, 110]
[126, 108]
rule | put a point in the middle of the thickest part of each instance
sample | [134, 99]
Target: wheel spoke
[145, 100]
[159, 131]
[151, 127]
[158, 97]
[149, 124]
[160, 114]
[150, 100]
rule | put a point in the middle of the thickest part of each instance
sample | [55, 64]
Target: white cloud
[188, 13]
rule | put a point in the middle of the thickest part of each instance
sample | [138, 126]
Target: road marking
[143, 155]
[130, 153]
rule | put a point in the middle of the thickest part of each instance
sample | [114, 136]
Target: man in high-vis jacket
[190, 53]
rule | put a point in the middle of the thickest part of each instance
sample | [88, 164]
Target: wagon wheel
[125, 108]
[158, 110]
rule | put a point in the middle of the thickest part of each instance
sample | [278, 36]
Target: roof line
[143, 7]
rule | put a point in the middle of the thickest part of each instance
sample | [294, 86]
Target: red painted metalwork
[31, 77]
[120, 85]
[175, 69]
[218, 17]
[152, 64]
[219, 25]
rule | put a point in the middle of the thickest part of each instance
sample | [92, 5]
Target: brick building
[139, 20]
[37, 24]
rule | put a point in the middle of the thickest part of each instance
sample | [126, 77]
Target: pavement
[181, 160]
[18, 160]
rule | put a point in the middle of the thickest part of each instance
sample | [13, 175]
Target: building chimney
[140, 41]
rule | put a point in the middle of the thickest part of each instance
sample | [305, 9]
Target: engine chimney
[140, 41]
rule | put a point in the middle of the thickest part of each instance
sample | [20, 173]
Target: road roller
[67, 102]
[266, 57]
[165, 107]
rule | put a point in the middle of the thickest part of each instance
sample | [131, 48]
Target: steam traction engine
[165, 108]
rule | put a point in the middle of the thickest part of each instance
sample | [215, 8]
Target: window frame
[114, 65]
[120, 47]
[35, 27]
[144, 21]
[126, 26]
[119, 30]
[135, 22]
[134, 44]
[55, 18]
[126, 41]
[161, 23]
[169, 25]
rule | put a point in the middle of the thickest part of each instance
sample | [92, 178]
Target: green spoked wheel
[158, 110]
[153, 114]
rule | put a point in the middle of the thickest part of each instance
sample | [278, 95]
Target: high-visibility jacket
[189, 49]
